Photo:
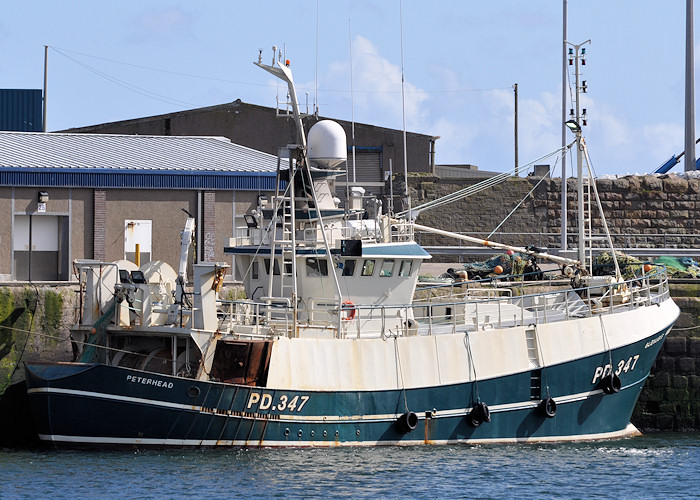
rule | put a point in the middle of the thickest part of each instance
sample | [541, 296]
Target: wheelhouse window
[349, 267]
[255, 271]
[368, 267]
[316, 267]
[387, 268]
[406, 267]
[275, 269]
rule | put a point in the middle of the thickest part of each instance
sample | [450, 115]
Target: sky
[110, 61]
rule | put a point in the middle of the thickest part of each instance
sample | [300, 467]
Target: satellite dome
[327, 144]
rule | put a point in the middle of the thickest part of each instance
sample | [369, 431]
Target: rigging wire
[517, 206]
[472, 366]
[482, 185]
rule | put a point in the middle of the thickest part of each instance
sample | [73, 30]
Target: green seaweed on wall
[52, 316]
[7, 306]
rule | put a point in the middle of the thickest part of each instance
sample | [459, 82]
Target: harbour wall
[670, 399]
[641, 211]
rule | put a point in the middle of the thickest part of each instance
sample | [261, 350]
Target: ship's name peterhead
[149, 381]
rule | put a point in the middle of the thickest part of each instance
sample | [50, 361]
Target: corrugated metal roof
[133, 161]
[96, 151]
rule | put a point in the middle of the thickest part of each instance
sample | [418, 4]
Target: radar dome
[327, 144]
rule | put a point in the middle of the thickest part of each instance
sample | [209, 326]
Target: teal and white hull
[331, 401]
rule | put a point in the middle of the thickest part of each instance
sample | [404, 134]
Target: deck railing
[457, 308]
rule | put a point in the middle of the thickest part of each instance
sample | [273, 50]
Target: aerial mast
[564, 196]
[577, 56]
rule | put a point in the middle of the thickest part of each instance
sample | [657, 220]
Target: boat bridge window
[406, 267]
[275, 269]
[368, 267]
[387, 268]
[255, 271]
[316, 266]
[349, 267]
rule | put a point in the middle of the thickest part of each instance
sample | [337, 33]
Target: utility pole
[517, 169]
[46, 67]
[689, 161]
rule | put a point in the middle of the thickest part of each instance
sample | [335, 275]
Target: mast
[285, 74]
[403, 108]
[352, 106]
[564, 196]
[577, 54]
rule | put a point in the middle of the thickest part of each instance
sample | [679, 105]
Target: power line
[238, 82]
[126, 85]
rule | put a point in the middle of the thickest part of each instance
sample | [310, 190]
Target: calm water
[655, 466]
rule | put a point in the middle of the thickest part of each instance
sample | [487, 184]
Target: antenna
[316, 74]
[403, 109]
[564, 196]
[352, 105]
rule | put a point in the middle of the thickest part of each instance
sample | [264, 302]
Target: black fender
[479, 414]
[548, 407]
[407, 422]
[610, 384]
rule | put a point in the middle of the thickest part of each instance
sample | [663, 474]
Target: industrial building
[91, 196]
[378, 150]
[95, 192]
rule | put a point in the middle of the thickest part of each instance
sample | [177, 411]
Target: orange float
[348, 311]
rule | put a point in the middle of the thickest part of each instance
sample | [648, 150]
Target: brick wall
[209, 229]
[99, 225]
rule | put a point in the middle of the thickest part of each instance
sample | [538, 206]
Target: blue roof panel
[129, 161]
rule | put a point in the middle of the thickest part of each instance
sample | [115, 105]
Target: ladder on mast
[284, 238]
[588, 237]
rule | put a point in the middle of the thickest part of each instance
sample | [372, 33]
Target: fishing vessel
[335, 345]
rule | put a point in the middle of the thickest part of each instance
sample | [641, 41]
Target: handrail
[437, 314]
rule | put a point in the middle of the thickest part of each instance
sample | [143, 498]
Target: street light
[573, 126]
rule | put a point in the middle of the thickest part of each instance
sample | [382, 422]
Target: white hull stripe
[314, 418]
[630, 430]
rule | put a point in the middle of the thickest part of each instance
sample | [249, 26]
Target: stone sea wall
[34, 322]
[670, 399]
[641, 211]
